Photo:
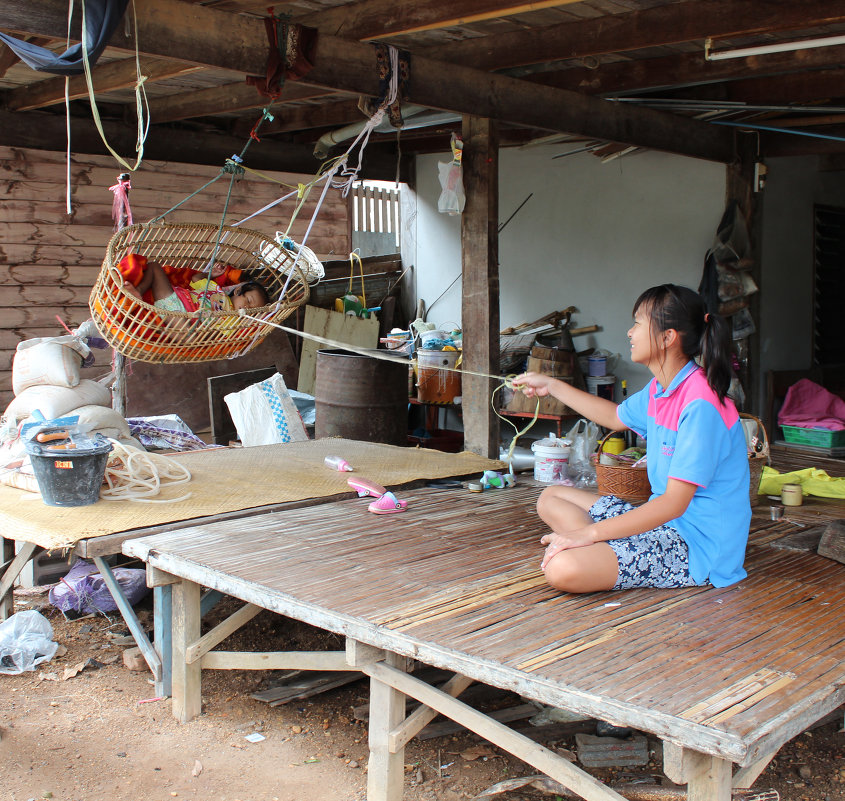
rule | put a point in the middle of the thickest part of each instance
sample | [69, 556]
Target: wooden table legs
[187, 693]
[10, 568]
[708, 778]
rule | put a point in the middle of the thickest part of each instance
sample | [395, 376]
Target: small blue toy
[492, 479]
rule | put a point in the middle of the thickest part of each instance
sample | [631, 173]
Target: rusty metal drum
[360, 397]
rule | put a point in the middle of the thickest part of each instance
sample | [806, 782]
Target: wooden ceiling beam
[688, 69]
[673, 23]
[181, 31]
[381, 19]
[781, 144]
[46, 131]
[434, 84]
[230, 97]
[795, 88]
[300, 118]
[806, 122]
[105, 78]
[172, 29]
[9, 57]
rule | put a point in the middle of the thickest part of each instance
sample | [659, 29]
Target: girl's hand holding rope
[533, 385]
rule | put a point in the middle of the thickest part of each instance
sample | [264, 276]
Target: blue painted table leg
[163, 636]
[209, 600]
[131, 618]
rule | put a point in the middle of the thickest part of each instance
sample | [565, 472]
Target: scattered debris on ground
[84, 727]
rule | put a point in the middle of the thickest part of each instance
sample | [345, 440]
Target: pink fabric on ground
[810, 405]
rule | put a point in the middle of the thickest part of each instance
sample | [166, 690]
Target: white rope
[68, 190]
[134, 475]
[350, 174]
[68, 203]
[266, 208]
[381, 355]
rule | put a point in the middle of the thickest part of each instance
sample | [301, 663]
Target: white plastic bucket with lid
[551, 460]
[601, 385]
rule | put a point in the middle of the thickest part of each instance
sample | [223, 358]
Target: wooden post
[186, 679]
[480, 303]
[7, 559]
[385, 770]
[118, 398]
[708, 778]
[162, 615]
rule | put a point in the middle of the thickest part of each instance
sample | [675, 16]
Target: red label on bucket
[59, 465]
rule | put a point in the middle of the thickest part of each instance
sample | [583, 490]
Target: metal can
[791, 495]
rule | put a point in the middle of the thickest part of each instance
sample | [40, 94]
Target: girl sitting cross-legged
[694, 528]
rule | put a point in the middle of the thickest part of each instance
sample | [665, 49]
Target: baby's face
[250, 299]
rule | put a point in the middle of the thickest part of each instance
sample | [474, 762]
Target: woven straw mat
[229, 479]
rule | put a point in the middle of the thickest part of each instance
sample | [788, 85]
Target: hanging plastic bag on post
[584, 436]
[452, 198]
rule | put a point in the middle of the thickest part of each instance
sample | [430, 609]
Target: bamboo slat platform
[721, 675]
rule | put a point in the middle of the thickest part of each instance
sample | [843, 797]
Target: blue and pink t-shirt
[692, 437]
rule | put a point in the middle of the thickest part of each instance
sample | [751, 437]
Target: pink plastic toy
[364, 487]
[387, 504]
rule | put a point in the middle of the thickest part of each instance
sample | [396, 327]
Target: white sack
[265, 414]
[102, 420]
[55, 402]
[48, 360]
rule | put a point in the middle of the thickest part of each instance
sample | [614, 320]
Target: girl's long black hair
[705, 337]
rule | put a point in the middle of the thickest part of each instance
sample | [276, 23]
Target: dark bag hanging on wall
[732, 245]
[709, 286]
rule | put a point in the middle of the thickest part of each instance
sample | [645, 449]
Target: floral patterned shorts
[656, 558]
[170, 303]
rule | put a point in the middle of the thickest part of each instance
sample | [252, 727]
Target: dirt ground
[99, 735]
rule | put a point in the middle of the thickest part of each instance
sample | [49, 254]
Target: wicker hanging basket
[628, 483]
[140, 331]
[757, 459]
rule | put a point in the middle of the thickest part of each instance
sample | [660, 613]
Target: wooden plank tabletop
[455, 582]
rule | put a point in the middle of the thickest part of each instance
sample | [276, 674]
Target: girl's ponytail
[715, 350]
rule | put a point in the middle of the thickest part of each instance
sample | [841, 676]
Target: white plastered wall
[592, 236]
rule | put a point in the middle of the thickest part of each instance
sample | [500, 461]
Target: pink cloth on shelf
[810, 405]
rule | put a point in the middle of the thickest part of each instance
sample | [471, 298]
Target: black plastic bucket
[72, 477]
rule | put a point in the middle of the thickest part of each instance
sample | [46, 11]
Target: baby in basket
[180, 289]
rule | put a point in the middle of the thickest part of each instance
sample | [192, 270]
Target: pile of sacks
[46, 379]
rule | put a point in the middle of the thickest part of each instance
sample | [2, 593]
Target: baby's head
[250, 295]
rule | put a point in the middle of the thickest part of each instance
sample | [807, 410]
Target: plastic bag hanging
[452, 198]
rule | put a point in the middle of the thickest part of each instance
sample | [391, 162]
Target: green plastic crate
[819, 437]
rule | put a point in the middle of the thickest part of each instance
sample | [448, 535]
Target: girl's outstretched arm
[599, 410]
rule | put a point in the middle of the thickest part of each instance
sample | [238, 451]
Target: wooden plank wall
[49, 259]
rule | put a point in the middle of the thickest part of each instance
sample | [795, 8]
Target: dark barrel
[361, 397]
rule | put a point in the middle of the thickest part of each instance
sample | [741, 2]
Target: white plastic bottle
[338, 463]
